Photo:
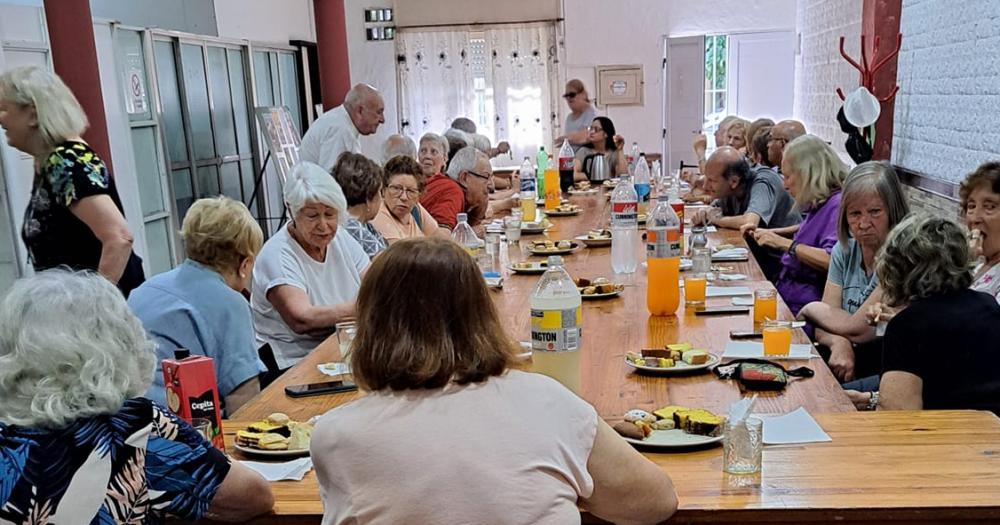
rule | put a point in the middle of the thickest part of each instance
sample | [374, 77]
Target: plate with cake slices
[671, 427]
[549, 247]
[564, 210]
[596, 238]
[598, 288]
[529, 267]
[275, 436]
[676, 358]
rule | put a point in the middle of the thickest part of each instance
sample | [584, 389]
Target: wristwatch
[872, 401]
[792, 249]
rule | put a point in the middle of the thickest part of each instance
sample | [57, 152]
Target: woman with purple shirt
[813, 176]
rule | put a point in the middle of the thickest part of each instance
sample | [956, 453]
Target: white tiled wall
[948, 107]
[820, 70]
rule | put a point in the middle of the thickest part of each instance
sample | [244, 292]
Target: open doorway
[711, 76]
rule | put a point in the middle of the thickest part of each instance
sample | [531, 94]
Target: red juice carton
[192, 393]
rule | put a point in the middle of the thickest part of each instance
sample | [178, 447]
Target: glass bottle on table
[556, 317]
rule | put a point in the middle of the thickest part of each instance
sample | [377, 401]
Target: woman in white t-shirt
[448, 432]
[307, 275]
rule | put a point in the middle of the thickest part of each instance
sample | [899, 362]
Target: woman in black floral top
[361, 180]
[74, 217]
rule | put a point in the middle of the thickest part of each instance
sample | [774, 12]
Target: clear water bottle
[528, 190]
[633, 155]
[466, 237]
[624, 226]
[701, 256]
[555, 326]
[541, 163]
[641, 181]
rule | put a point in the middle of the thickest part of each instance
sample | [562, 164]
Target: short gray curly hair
[85, 364]
[923, 256]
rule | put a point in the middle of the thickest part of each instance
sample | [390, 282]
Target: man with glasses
[582, 113]
[465, 189]
[782, 133]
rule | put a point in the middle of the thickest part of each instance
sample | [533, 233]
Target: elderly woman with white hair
[79, 444]
[74, 217]
[308, 274]
[813, 174]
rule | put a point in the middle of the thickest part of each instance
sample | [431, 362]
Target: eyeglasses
[484, 177]
[568, 96]
[396, 191]
[596, 130]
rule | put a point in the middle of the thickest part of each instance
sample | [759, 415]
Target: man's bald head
[365, 106]
[781, 134]
[725, 171]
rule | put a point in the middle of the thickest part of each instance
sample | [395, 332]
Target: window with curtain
[503, 78]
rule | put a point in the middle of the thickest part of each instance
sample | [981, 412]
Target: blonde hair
[87, 363]
[59, 114]
[738, 123]
[220, 232]
[821, 172]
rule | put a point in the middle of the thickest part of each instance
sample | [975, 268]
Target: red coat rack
[868, 74]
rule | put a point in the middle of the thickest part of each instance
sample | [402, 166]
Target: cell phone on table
[745, 334]
[318, 389]
[722, 310]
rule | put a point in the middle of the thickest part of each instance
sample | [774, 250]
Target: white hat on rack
[861, 108]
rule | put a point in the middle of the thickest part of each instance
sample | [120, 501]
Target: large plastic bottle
[466, 237]
[555, 326]
[633, 155]
[551, 182]
[641, 181]
[541, 162]
[663, 258]
[528, 192]
[566, 166]
[624, 226]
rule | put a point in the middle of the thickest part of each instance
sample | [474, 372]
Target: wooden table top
[883, 466]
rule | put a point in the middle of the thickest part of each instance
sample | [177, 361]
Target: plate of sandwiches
[673, 359]
[610, 183]
[582, 188]
[598, 288]
[276, 436]
[671, 427]
[529, 267]
[541, 201]
[538, 226]
[596, 238]
[548, 247]
[563, 210]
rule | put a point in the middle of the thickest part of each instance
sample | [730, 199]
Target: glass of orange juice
[694, 289]
[765, 305]
[777, 338]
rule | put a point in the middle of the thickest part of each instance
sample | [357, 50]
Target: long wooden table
[908, 467]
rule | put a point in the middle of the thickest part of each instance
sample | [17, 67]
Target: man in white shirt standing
[340, 129]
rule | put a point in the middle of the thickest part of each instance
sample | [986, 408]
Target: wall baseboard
[941, 188]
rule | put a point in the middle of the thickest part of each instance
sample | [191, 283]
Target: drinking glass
[345, 336]
[701, 260]
[512, 227]
[694, 289]
[777, 338]
[765, 305]
[743, 445]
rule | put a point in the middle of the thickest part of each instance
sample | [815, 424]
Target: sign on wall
[135, 85]
[619, 85]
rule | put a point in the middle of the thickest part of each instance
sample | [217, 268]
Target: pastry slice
[695, 357]
[629, 430]
[667, 412]
[272, 442]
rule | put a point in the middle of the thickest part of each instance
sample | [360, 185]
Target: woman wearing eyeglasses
[401, 216]
[582, 113]
[602, 139]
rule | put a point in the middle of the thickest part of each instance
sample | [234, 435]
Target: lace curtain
[503, 78]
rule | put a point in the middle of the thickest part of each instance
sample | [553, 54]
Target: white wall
[820, 70]
[606, 33]
[272, 21]
[948, 105]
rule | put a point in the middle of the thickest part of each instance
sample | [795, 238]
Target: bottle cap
[463, 217]
[555, 260]
[182, 353]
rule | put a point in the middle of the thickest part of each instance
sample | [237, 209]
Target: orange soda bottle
[663, 258]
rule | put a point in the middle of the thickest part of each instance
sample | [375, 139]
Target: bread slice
[272, 442]
[682, 347]
[695, 357]
[699, 421]
[248, 439]
[265, 426]
[655, 352]
[629, 430]
[667, 412]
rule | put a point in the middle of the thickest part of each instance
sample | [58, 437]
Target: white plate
[554, 251]
[595, 296]
[533, 227]
[590, 191]
[528, 271]
[673, 439]
[272, 453]
[557, 213]
[680, 367]
[594, 243]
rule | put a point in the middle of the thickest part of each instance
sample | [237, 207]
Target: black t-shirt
[952, 342]
[53, 235]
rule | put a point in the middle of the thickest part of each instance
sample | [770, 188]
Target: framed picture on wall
[619, 85]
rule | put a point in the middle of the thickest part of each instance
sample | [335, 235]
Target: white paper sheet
[731, 252]
[727, 291]
[732, 276]
[334, 369]
[293, 470]
[797, 426]
[745, 349]
[742, 301]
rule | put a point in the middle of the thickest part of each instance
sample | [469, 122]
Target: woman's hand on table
[769, 239]
[860, 399]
